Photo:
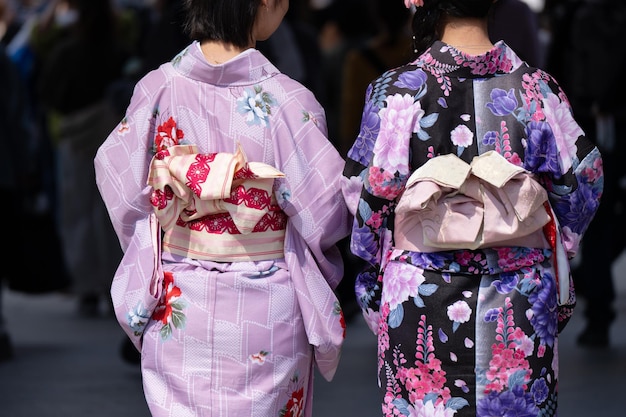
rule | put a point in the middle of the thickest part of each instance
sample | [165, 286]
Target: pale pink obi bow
[216, 206]
[449, 204]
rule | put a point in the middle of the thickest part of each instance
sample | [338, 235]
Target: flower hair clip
[416, 3]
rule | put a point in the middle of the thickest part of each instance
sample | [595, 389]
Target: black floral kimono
[468, 332]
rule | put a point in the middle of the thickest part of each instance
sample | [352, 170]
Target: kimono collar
[444, 59]
[249, 67]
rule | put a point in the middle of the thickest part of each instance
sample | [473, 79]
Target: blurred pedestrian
[472, 185]
[231, 158]
[514, 22]
[585, 32]
[14, 140]
[72, 85]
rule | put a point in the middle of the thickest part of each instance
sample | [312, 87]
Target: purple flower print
[577, 207]
[543, 302]
[502, 103]
[541, 153]
[365, 285]
[412, 80]
[507, 282]
[361, 151]
[363, 244]
[539, 390]
[489, 139]
[514, 403]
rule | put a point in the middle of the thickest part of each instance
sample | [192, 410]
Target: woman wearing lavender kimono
[230, 157]
[471, 185]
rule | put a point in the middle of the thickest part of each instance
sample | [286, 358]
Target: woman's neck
[467, 35]
[217, 52]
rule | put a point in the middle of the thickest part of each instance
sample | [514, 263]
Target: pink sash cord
[217, 206]
[449, 204]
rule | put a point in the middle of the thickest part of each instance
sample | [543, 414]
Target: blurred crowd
[69, 67]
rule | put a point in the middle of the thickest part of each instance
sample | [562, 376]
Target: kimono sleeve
[310, 193]
[122, 164]
[372, 181]
[568, 163]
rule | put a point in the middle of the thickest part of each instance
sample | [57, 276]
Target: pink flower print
[259, 358]
[167, 135]
[462, 137]
[566, 131]
[401, 282]
[398, 122]
[459, 312]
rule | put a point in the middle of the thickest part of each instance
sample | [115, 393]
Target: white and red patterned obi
[216, 206]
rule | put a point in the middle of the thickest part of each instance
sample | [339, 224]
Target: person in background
[14, 138]
[72, 82]
[514, 22]
[584, 35]
[390, 47]
[472, 185]
[231, 158]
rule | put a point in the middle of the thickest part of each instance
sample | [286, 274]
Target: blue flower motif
[543, 302]
[541, 152]
[576, 209]
[514, 403]
[502, 103]
[362, 150]
[490, 138]
[256, 106]
[363, 244]
[539, 390]
[507, 282]
[365, 286]
[412, 80]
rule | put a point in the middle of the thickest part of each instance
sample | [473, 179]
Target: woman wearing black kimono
[471, 186]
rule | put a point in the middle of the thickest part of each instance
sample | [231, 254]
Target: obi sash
[216, 206]
[450, 204]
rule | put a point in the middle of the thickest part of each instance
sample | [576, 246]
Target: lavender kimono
[228, 338]
[470, 329]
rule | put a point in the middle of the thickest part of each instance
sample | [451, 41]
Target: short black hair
[229, 21]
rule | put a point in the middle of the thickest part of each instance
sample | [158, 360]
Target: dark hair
[427, 19]
[229, 21]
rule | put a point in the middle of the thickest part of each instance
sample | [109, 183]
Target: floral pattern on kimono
[466, 332]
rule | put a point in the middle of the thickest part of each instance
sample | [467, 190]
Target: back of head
[428, 18]
[229, 21]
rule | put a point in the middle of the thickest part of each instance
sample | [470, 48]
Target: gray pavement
[67, 366]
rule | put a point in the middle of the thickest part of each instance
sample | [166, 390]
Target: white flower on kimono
[429, 409]
[283, 193]
[259, 358]
[459, 312]
[565, 129]
[256, 106]
[462, 137]
[398, 121]
[401, 281]
[138, 319]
